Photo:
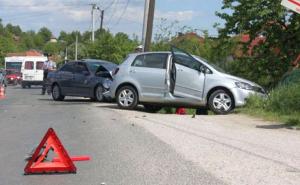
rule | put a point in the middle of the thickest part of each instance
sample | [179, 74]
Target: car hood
[238, 79]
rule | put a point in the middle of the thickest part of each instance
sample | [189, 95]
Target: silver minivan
[177, 79]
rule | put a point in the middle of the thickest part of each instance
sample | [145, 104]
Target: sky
[120, 15]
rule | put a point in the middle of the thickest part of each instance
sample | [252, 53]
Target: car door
[39, 73]
[80, 84]
[149, 70]
[28, 71]
[186, 79]
[65, 77]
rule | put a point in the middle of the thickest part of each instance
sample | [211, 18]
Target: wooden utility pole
[102, 17]
[148, 23]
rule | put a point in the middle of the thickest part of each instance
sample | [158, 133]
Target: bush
[285, 99]
[283, 104]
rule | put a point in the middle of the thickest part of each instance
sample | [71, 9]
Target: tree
[263, 18]
[45, 34]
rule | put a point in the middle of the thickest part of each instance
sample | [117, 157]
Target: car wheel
[99, 93]
[152, 108]
[220, 102]
[127, 97]
[56, 93]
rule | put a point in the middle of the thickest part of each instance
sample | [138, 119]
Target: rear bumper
[27, 82]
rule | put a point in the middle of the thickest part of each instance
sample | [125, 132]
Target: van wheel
[221, 102]
[23, 85]
[99, 93]
[127, 98]
[56, 93]
[152, 108]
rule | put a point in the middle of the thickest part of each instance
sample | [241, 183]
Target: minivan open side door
[186, 80]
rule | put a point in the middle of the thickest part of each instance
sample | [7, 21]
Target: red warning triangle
[38, 163]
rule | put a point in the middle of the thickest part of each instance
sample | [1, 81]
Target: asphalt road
[122, 152]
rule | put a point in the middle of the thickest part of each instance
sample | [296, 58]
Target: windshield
[211, 64]
[93, 66]
[14, 65]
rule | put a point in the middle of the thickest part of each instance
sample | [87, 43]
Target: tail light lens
[115, 71]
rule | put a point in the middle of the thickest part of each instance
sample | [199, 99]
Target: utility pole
[66, 54]
[94, 7]
[148, 23]
[101, 22]
[76, 43]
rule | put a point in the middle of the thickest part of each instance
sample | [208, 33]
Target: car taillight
[115, 71]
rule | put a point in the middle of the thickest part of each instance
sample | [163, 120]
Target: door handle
[179, 70]
[132, 71]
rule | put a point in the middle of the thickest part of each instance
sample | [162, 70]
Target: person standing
[48, 66]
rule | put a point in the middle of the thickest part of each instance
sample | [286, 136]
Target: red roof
[30, 53]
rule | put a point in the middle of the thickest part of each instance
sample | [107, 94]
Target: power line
[124, 10]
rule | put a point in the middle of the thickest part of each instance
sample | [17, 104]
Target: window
[29, 65]
[183, 58]
[69, 67]
[80, 68]
[39, 65]
[156, 60]
[14, 65]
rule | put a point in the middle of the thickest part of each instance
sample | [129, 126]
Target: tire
[56, 93]
[23, 85]
[127, 98]
[152, 108]
[221, 102]
[98, 95]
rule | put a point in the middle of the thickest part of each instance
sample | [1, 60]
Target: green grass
[282, 105]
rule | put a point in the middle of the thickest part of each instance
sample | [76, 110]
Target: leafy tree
[45, 34]
[263, 18]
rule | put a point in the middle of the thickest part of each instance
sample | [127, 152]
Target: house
[32, 53]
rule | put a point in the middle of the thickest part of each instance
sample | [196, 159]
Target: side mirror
[202, 69]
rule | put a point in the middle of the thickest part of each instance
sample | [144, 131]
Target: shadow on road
[280, 126]
[67, 101]
[114, 106]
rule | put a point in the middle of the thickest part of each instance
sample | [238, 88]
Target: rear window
[29, 65]
[39, 65]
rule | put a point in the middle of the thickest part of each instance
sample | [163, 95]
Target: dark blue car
[86, 78]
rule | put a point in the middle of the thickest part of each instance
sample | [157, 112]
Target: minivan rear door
[28, 71]
[188, 81]
[39, 72]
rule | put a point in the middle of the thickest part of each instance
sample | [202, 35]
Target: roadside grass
[282, 105]
[291, 120]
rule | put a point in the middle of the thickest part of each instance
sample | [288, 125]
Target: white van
[32, 71]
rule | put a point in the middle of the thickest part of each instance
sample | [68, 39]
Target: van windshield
[14, 65]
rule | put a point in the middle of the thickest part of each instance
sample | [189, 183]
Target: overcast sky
[120, 15]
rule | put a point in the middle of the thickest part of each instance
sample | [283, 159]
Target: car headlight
[107, 83]
[244, 85]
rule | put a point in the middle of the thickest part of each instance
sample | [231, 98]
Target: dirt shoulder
[235, 148]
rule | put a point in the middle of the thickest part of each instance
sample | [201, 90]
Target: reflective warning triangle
[38, 162]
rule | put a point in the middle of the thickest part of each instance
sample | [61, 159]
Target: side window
[80, 68]
[188, 62]
[29, 65]
[39, 65]
[69, 67]
[155, 60]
